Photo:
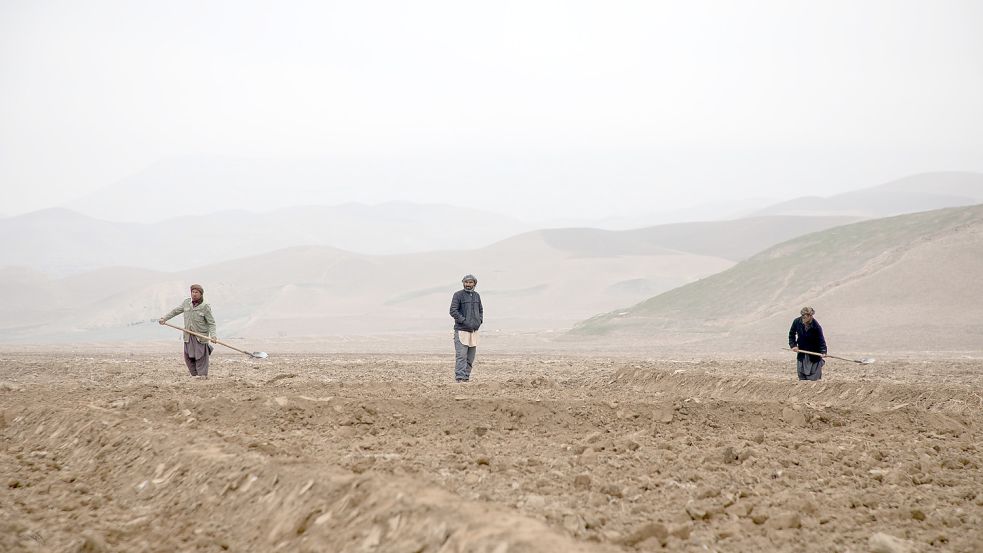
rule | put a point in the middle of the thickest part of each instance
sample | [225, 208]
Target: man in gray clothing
[197, 318]
[467, 312]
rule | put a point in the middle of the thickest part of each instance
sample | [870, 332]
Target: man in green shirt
[197, 318]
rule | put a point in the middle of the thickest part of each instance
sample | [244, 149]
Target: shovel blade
[866, 361]
[259, 355]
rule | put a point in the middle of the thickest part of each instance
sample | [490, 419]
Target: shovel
[255, 354]
[862, 361]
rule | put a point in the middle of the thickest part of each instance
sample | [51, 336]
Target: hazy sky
[564, 108]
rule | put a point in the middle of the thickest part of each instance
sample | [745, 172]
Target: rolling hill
[734, 240]
[906, 282]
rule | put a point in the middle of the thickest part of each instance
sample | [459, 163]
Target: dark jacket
[466, 310]
[809, 340]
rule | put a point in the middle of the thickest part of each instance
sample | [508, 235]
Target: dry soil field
[347, 452]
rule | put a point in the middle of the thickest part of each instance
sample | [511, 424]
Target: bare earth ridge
[372, 452]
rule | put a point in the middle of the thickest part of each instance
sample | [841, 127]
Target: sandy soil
[348, 452]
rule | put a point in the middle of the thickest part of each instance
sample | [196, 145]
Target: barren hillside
[908, 282]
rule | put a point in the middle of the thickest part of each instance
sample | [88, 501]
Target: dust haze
[647, 192]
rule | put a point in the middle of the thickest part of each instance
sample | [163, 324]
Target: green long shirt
[197, 318]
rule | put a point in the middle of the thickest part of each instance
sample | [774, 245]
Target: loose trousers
[464, 359]
[196, 357]
[809, 370]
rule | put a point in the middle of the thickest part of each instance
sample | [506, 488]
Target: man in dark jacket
[467, 312]
[806, 334]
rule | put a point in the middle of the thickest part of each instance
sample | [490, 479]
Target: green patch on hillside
[778, 277]
[734, 240]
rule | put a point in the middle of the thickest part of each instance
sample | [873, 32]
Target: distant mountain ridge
[59, 241]
[921, 192]
[269, 277]
[314, 290]
[541, 280]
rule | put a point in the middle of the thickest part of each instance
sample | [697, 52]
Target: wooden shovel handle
[828, 355]
[193, 333]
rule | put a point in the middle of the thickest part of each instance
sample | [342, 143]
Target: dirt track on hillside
[537, 453]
